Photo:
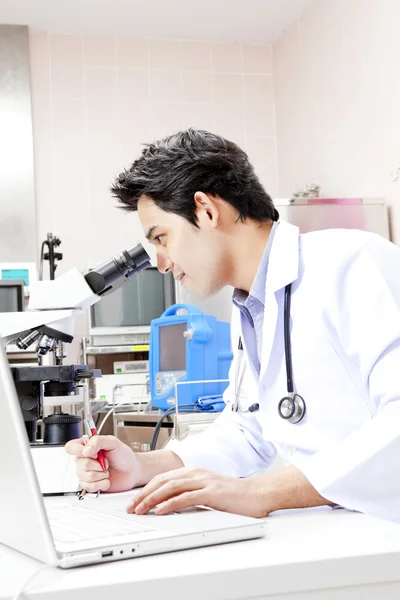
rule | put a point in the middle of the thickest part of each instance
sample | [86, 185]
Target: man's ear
[207, 211]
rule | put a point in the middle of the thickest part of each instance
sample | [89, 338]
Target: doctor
[324, 395]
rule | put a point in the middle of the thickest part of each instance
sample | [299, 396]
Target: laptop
[94, 530]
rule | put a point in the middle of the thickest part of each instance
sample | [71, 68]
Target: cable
[104, 420]
[18, 595]
[168, 412]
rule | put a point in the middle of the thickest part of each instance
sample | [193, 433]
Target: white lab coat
[345, 332]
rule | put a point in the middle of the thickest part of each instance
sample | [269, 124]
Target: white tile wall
[96, 100]
[337, 96]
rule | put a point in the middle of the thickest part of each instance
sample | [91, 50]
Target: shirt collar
[257, 289]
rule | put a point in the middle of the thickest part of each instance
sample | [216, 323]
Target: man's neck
[247, 249]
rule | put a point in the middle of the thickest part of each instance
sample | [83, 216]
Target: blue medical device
[187, 345]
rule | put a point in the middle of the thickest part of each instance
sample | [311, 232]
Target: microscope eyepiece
[117, 270]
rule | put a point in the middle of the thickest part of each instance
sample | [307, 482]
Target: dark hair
[170, 171]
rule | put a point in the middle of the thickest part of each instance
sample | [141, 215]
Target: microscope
[49, 323]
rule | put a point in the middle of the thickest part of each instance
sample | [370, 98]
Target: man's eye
[158, 238]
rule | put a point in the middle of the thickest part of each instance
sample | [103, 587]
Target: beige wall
[337, 94]
[96, 100]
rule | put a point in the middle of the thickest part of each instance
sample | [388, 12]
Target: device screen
[9, 299]
[172, 347]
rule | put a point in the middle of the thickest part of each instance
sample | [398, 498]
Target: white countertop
[312, 553]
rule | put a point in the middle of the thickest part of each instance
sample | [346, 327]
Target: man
[212, 223]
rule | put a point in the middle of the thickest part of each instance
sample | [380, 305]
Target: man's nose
[164, 264]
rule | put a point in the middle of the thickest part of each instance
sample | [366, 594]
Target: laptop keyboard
[70, 523]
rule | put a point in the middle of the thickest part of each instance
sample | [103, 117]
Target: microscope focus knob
[84, 374]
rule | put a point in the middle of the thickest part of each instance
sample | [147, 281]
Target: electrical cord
[160, 421]
[18, 595]
[104, 420]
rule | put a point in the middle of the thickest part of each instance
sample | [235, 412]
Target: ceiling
[254, 21]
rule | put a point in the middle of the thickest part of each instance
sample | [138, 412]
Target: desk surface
[307, 554]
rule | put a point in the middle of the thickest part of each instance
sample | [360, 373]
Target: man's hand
[191, 486]
[123, 469]
[255, 496]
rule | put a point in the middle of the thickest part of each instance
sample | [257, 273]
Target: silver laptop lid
[23, 521]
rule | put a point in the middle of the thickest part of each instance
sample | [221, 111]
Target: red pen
[90, 431]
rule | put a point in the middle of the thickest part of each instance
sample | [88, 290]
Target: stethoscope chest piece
[292, 408]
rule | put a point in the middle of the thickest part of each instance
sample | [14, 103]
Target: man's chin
[198, 293]
[205, 294]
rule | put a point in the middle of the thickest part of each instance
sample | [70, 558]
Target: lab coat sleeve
[233, 445]
[362, 471]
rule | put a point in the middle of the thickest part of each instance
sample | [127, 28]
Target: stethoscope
[292, 407]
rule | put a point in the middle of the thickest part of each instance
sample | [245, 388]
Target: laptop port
[105, 554]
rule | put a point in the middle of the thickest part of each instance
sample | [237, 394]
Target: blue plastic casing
[187, 345]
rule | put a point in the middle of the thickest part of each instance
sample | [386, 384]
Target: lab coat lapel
[283, 268]
[249, 362]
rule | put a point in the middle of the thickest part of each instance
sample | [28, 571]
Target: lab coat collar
[283, 268]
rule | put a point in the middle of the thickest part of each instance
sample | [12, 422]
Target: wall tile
[227, 87]
[166, 86]
[258, 89]
[195, 56]
[229, 122]
[198, 115]
[227, 58]
[66, 66]
[196, 86]
[132, 53]
[259, 121]
[99, 52]
[257, 59]
[165, 54]
[165, 119]
[133, 83]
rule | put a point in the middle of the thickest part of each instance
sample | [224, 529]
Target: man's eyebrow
[150, 231]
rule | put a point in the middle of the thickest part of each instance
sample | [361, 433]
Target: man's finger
[185, 500]
[169, 490]
[160, 480]
[92, 476]
[88, 464]
[97, 486]
[99, 442]
[74, 447]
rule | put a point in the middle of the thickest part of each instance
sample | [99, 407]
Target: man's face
[194, 255]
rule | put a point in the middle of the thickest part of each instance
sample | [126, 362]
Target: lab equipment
[11, 295]
[19, 270]
[52, 242]
[187, 345]
[49, 321]
[124, 318]
[53, 305]
[291, 407]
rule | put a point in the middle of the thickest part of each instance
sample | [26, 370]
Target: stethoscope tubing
[295, 401]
